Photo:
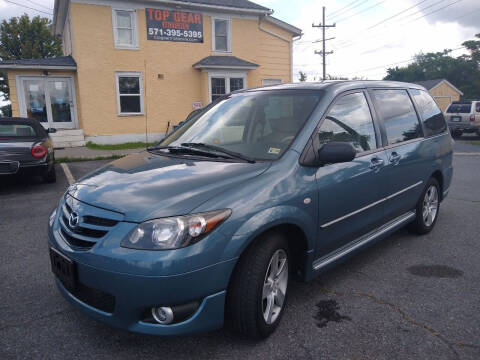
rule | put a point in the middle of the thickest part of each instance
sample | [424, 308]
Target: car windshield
[16, 130]
[459, 108]
[259, 125]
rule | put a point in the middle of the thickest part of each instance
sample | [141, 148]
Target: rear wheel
[456, 134]
[427, 208]
[257, 293]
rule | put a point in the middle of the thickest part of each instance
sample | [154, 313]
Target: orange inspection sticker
[274, 150]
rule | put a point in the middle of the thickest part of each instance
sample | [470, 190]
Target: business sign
[170, 25]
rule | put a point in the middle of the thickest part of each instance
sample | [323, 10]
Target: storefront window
[129, 93]
[236, 84]
[223, 84]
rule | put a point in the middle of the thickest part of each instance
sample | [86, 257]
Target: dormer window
[222, 35]
[125, 29]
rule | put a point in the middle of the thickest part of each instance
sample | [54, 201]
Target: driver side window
[349, 120]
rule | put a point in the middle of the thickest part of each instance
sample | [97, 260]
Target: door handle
[376, 163]
[394, 158]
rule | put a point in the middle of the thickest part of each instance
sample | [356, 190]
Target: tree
[463, 71]
[302, 76]
[25, 38]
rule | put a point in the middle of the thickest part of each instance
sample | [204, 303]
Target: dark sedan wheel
[427, 208]
[257, 294]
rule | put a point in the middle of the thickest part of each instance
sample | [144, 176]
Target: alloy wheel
[275, 286]
[430, 205]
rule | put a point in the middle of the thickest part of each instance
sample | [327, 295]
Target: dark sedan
[26, 148]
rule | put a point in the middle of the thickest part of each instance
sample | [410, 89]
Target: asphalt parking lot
[406, 297]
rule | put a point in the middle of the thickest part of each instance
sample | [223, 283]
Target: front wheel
[427, 209]
[257, 293]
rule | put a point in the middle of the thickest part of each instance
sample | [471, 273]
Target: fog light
[163, 315]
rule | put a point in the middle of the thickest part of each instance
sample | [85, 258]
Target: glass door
[35, 106]
[50, 101]
[61, 104]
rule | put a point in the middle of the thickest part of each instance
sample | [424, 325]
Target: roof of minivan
[340, 85]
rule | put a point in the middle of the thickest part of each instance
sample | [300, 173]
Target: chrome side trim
[402, 191]
[370, 205]
[361, 241]
[353, 213]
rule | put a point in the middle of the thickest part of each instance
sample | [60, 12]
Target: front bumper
[135, 294]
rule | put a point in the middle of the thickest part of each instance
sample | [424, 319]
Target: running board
[363, 240]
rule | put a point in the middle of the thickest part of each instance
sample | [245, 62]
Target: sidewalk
[86, 153]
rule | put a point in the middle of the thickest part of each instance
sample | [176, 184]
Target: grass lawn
[474, 142]
[129, 145]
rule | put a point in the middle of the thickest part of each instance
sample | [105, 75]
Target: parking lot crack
[405, 316]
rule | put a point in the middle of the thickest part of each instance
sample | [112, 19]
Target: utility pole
[324, 53]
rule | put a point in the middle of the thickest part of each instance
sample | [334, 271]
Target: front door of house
[50, 100]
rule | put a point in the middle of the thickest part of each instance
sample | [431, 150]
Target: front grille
[95, 298]
[89, 228]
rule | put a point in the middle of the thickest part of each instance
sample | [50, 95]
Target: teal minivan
[262, 186]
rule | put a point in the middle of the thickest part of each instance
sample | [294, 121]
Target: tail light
[39, 151]
[472, 118]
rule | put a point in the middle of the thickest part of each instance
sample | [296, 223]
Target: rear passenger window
[349, 120]
[432, 117]
[398, 115]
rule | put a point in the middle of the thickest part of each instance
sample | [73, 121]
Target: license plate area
[9, 167]
[456, 118]
[64, 269]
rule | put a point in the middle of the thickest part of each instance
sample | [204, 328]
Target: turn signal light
[39, 151]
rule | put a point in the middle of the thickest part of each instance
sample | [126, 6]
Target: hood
[145, 186]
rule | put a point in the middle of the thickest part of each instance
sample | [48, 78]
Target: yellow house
[132, 69]
[443, 91]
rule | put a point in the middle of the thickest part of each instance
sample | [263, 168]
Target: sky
[370, 35]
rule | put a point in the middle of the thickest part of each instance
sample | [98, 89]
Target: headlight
[174, 232]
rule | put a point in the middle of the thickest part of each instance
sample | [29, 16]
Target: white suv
[463, 117]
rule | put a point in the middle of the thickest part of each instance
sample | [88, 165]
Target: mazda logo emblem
[73, 220]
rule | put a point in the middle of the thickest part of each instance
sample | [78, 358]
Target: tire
[50, 176]
[427, 209]
[456, 134]
[247, 303]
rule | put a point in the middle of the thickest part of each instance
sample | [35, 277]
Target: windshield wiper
[231, 154]
[183, 150]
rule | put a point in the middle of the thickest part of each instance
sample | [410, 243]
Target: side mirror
[51, 130]
[336, 152]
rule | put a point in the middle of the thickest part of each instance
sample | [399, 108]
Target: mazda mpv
[211, 225]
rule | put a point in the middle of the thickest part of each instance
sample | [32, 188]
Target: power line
[394, 16]
[346, 6]
[347, 10]
[28, 7]
[38, 4]
[362, 11]
[348, 43]
[397, 63]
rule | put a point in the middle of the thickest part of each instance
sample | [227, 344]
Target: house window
[224, 84]
[218, 88]
[129, 93]
[125, 29]
[236, 84]
[221, 35]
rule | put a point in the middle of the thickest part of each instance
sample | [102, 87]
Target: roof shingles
[224, 61]
[61, 61]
